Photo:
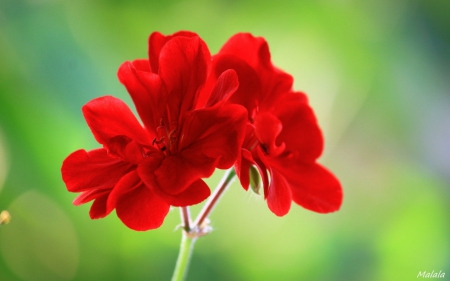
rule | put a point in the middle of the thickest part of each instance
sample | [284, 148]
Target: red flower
[282, 136]
[142, 170]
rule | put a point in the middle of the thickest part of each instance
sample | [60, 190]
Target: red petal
[254, 50]
[275, 83]
[279, 196]
[146, 169]
[226, 85]
[125, 148]
[177, 173]
[98, 209]
[193, 194]
[300, 133]
[315, 188]
[178, 187]
[144, 88]
[183, 64]
[216, 132]
[249, 90]
[109, 117]
[141, 209]
[127, 183]
[156, 42]
[242, 167]
[263, 164]
[83, 170]
[267, 129]
[89, 195]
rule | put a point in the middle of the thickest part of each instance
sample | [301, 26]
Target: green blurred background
[376, 72]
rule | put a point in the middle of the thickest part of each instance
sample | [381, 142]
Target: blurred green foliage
[376, 73]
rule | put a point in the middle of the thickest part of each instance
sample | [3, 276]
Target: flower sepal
[255, 179]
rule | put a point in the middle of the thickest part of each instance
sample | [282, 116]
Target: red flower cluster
[199, 113]
[282, 135]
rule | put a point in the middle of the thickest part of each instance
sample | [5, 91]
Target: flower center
[166, 137]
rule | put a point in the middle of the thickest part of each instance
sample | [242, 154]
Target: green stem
[199, 228]
[186, 247]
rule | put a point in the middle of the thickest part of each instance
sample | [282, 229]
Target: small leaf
[255, 179]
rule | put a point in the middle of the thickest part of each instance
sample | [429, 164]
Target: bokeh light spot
[41, 243]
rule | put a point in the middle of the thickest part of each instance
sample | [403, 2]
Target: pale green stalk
[184, 256]
[199, 228]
